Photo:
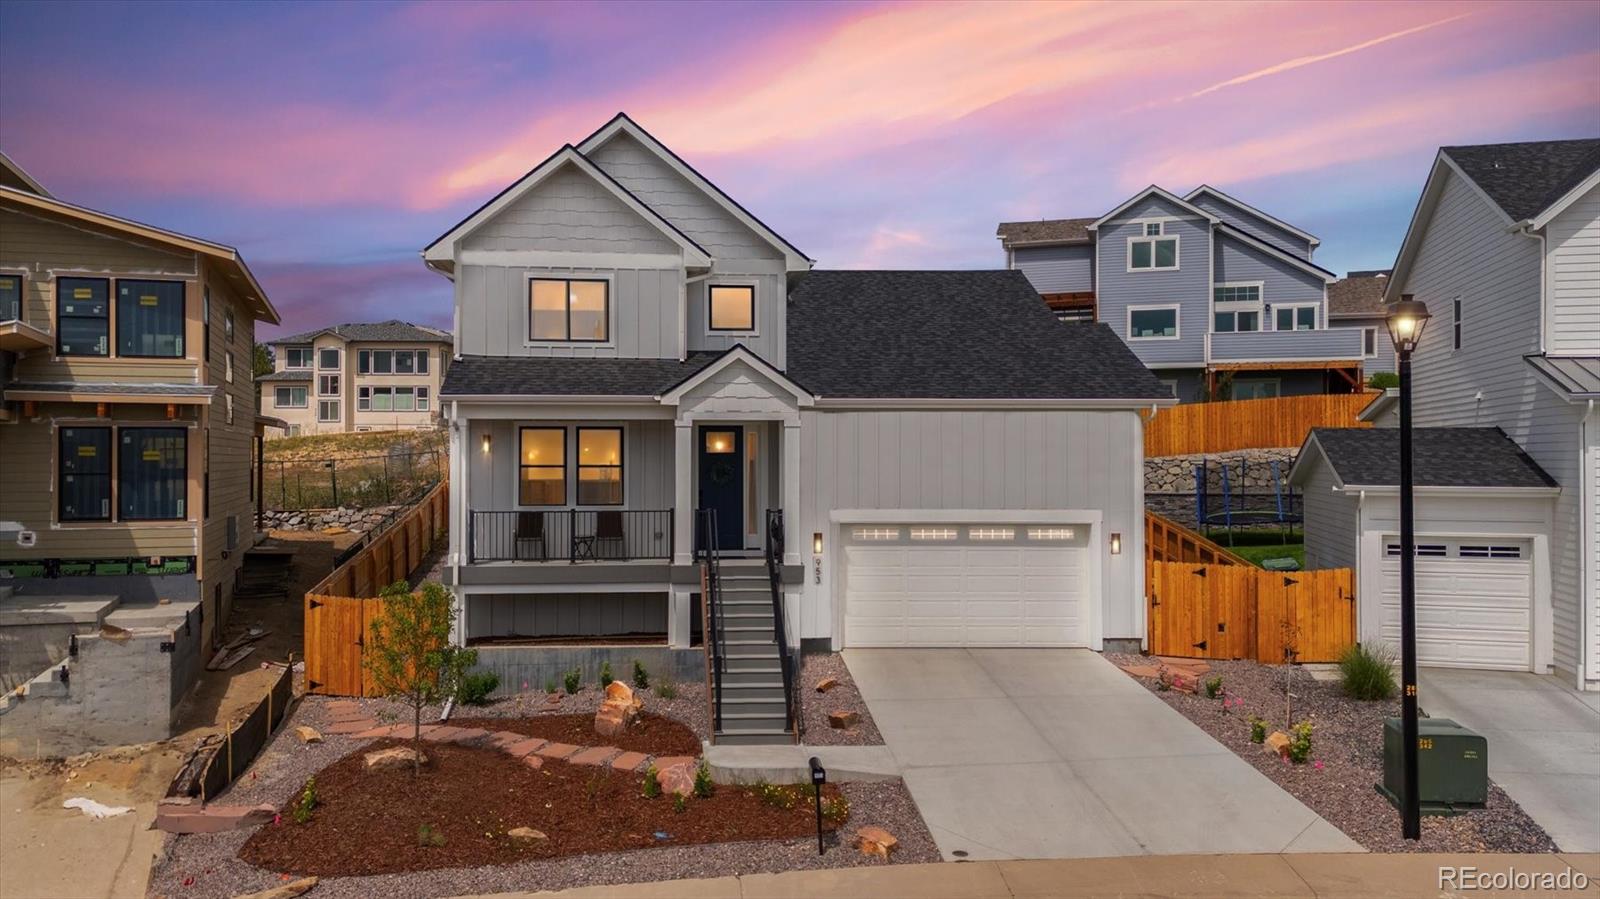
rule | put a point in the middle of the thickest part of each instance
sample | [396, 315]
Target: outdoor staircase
[753, 709]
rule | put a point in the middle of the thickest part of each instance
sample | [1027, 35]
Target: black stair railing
[786, 659]
[711, 569]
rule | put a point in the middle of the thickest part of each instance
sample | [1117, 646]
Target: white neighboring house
[1504, 248]
[947, 463]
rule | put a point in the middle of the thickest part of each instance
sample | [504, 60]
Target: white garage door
[1474, 601]
[966, 585]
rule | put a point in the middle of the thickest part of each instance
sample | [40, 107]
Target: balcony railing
[1285, 346]
[569, 535]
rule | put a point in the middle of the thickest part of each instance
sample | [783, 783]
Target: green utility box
[1452, 766]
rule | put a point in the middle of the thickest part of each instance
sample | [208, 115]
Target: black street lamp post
[1406, 320]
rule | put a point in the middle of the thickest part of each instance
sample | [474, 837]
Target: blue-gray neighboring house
[1217, 297]
[1356, 301]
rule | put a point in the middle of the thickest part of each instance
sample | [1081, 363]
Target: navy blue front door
[722, 482]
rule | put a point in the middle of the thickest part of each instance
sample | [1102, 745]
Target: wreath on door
[720, 474]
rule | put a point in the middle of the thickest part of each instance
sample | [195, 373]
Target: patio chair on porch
[607, 535]
[530, 537]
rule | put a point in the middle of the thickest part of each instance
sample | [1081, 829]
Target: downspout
[1525, 228]
[683, 314]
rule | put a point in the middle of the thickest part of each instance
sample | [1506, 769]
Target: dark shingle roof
[392, 330]
[114, 389]
[1441, 457]
[950, 335]
[1045, 231]
[288, 374]
[1524, 179]
[546, 376]
[1358, 293]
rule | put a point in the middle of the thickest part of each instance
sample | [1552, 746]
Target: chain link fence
[295, 485]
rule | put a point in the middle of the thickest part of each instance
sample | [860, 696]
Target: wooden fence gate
[337, 629]
[1237, 612]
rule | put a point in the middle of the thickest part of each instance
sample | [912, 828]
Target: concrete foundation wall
[534, 665]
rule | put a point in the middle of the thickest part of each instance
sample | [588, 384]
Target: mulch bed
[650, 734]
[1346, 759]
[367, 823]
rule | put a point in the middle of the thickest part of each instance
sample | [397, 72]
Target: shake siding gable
[1253, 225]
[1063, 269]
[1189, 285]
[1572, 245]
[569, 212]
[1467, 252]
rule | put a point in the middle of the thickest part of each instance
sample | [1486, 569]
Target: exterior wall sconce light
[486, 444]
[816, 543]
[1116, 544]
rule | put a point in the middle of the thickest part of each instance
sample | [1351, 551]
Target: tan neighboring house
[361, 376]
[127, 423]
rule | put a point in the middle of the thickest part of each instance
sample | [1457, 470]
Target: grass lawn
[1258, 546]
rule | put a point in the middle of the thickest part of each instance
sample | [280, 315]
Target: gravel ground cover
[650, 734]
[1346, 759]
[842, 697]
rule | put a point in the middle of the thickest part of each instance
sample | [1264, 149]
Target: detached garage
[1483, 516]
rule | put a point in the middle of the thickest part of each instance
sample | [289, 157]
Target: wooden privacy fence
[1228, 611]
[339, 610]
[1249, 424]
[1166, 540]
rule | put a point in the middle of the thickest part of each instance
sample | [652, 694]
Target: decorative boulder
[843, 720]
[618, 711]
[677, 777]
[876, 841]
[307, 734]
[826, 684]
[1277, 742]
[526, 836]
[396, 757]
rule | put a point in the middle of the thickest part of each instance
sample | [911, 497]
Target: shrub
[652, 782]
[307, 803]
[476, 687]
[1383, 380]
[703, 785]
[775, 795]
[1258, 729]
[641, 677]
[667, 688]
[680, 804]
[429, 835]
[572, 680]
[1214, 686]
[1300, 742]
[605, 675]
[835, 810]
[1367, 673]
[549, 685]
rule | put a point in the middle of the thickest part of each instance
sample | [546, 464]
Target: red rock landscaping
[366, 822]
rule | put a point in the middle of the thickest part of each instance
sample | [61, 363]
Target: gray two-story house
[666, 426]
[1221, 299]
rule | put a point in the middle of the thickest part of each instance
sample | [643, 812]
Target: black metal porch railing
[786, 657]
[706, 552]
[570, 535]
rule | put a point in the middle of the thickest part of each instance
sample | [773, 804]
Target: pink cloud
[310, 295]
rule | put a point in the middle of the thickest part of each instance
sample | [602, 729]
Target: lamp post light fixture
[1405, 321]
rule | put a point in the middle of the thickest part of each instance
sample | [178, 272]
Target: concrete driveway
[1050, 753]
[1544, 743]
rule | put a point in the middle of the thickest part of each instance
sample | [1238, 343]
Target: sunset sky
[331, 142]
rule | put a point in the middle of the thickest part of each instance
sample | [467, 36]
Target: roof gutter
[956, 403]
[1394, 490]
[509, 398]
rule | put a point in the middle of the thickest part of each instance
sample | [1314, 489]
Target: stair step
[754, 737]
[733, 704]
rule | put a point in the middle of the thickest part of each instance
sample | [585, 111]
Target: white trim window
[1294, 317]
[289, 397]
[1153, 250]
[328, 358]
[1236, 307]
[297, 357]
[731, 309]
[327, 385]
[1255, 389]
[1369, 342]
[392, 362]
[327, 410]
[1455, 324]
[569, 310]
[1153, 322]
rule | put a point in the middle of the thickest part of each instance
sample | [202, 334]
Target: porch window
[569, 310]
[542, 466]
[1295, 318]
[289, 397]
[83, 317]
[85, 474]
[599, 466]
[152, 473]
[150, 319]
[733, 307]
[10, 298]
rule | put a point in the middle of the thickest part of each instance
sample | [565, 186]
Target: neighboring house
[1503, 248]
[1356, 301]
[944, 463]
[128, 420]
[364, 376]
[1219, 298]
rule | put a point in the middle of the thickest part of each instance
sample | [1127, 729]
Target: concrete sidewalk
[1297, 876]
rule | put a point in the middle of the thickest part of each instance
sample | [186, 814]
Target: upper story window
[1455, 323]
[85, 474]
[1152, 322]
[205, 330]
[1295, 318]
[10, 298]
[297, 357]
[1236, 307]
[150, 319]
[328, 359]
[1369, 343]
[83, 316]
[569, 310]
[1154, 249]
[392, 362]
[542, 467]
[290, 397]
[733, 307]
[152, 473]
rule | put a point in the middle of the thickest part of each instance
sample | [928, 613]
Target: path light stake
[819, 776]
[1406, 320]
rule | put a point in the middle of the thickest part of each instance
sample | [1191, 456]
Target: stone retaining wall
[358, 521]
[1175, 474]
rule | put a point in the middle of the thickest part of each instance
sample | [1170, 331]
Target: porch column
[794, 539]
[683, 502]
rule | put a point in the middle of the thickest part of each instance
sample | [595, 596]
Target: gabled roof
[1576, 378]
[524, 376]
[1441, 457]
[1275, 252]
[1157, 191]
[952, 335]
[442, 249]
[13, 175]
[621, 123]
[1240, 204]
[738, 353]
[228, 258]
[1524, 179]
[393, 330]
[1358, 295]
[1044, 232]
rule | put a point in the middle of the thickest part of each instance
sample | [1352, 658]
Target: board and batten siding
[569, 212]
[1004, 459]
[1189, 286]
[1282, 282]
[493, 312]
[1572, 248]
[1331, 521]
[1254, 225]
[1592, 438]
[1467, 252]
[566, 614]
[1059, 269]
[771, 336]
